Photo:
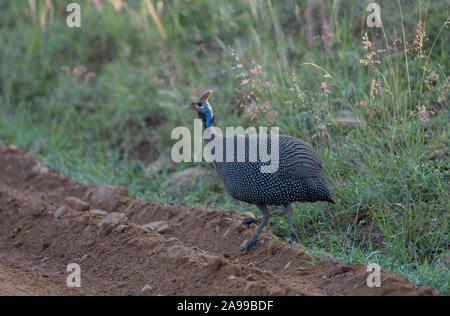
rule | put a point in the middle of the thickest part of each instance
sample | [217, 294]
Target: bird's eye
[199, 104]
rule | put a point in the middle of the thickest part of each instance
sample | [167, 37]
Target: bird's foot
[293, 236]
[248, 245]
[245, 222]
[248, 221]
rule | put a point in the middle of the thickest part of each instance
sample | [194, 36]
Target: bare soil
[199, 253]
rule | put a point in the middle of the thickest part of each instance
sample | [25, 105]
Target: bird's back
[297, 178]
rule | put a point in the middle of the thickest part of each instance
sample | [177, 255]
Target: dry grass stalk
[151, 10]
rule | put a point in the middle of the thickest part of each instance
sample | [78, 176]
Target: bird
[299, 177]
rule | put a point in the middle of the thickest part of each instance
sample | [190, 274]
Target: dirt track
[197, 255]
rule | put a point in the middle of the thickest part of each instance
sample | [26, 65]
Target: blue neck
[206, 118]
[207, 121]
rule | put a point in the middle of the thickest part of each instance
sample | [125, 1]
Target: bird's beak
[189, 106]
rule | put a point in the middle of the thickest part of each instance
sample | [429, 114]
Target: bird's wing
[298, 159]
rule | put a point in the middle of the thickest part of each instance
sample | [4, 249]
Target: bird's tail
[329, 197]
[325, 192]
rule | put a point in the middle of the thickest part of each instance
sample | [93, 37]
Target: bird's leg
[292, 232]
[246, 221]
[266, 216]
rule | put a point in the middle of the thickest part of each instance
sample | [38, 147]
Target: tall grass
[99, 103]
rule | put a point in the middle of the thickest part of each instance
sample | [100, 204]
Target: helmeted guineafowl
[298, 178]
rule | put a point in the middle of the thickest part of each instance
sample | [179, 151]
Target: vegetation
[99, 103]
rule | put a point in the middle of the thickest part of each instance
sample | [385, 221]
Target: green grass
[392, 194]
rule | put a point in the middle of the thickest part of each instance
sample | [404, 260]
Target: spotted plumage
[298, 178]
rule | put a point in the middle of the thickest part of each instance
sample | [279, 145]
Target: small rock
[98, 213]
[102, 191]
[225, 220]
[246, 222]
[162, 229]
[121, 228]
[244, 243]
[13, 148]
[39, 168]
[113, 218]
[147, 288]
[61, 211]
[215, 264]
[156, 225]
[76, 204]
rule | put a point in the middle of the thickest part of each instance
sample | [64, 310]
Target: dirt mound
[149, 248]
